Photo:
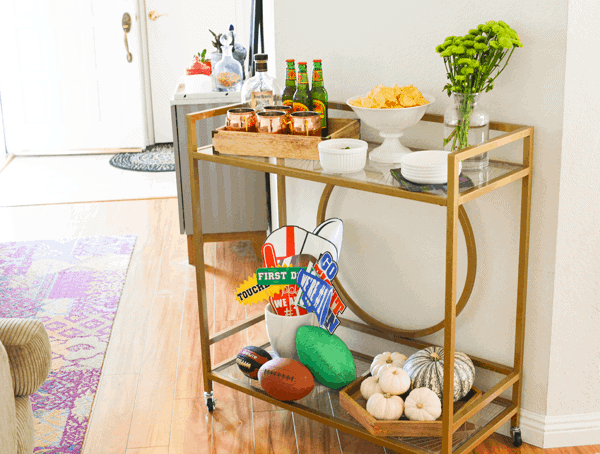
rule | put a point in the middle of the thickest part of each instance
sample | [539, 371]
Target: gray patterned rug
[155, 158]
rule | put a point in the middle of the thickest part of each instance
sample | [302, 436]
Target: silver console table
[226, 216]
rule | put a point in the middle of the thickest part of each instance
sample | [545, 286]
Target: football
[286, 379]
[249, 360]
[326, 356]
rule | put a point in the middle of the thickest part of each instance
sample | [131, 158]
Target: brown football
[286, 379]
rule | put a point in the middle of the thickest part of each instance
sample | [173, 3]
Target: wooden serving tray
[353, 402]
[281, 145]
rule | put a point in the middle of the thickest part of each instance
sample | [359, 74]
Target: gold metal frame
[462, 302]
[453, 203]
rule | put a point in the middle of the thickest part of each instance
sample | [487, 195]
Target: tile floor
[66, 179]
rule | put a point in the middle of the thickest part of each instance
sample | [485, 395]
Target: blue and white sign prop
[316, 294]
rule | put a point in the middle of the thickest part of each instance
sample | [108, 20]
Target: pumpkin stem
[389, 361]
[387, 395]
[435, 357]
[419, 405]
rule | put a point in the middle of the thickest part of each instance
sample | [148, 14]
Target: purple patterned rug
[73, 287]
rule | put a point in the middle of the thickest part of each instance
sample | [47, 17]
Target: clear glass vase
[466, 124]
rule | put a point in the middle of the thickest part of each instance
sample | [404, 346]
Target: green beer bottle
[287, 97]
[319, 96]
[302, 99]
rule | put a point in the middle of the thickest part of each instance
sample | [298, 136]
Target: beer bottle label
[291, 74]
[317, 76]
[288, 102]
[319, 106]
[298, 106]
[303, 78]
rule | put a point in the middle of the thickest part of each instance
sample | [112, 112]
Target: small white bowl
[335, 158]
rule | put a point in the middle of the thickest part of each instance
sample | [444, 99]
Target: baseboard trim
[560, 431]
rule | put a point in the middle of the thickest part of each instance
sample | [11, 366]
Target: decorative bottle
[287, 96]
[228, 71]
[261, 90]
[302, 98]
[319, 96]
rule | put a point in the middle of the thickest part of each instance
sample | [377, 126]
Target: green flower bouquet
[473, 62]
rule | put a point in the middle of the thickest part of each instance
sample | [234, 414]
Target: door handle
[126, 23]
[153, 15]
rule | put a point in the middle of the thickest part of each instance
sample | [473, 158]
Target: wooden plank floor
[150, 396]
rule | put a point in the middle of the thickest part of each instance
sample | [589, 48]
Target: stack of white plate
[426, 167]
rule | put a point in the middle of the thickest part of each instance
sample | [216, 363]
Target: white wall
[392, 259]
[575, 350]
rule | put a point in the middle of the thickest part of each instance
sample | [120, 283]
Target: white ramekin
[335, 159]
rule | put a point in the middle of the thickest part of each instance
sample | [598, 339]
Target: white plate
[426, 180]
[426, 158]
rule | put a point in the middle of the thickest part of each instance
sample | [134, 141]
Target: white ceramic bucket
[282, 331]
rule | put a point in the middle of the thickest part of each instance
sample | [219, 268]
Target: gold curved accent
[460, 305]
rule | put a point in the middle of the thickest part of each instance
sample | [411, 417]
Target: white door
[65, 80]
[179, 33]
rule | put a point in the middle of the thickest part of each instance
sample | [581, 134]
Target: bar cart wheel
[516, 433]
[210, 401]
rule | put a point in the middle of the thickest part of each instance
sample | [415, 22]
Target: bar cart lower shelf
[323, 404]
[463, 429]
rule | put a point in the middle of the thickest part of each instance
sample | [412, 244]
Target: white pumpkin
[369, 387]
[385, 360]
[394, 380]
[385, 406]
[422, 404]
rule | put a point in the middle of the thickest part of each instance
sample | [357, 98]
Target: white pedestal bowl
[391, 123]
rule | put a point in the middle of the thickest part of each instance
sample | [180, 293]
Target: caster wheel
[211, 404]
[517, 439]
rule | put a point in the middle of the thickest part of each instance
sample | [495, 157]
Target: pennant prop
[316, 294]
[283, 300]
[327, 269]
[251, 292]
[277, 276]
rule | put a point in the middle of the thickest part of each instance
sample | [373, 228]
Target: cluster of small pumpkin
[388, 381]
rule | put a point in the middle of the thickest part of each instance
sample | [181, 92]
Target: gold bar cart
[490, 410]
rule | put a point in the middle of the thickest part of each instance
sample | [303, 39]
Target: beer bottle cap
[302, 63]
[317, 61]
[261, 57]
[290, 60]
